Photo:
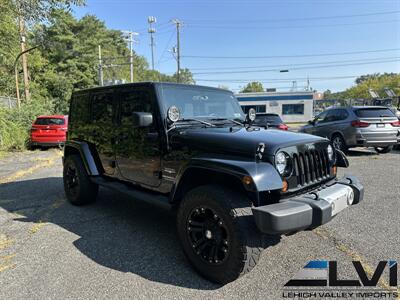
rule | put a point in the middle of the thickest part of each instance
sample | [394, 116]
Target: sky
[230, 43]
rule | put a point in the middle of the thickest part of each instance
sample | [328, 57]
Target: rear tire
[218, 234]
[383, 150]
[77, 185]
[339, 143]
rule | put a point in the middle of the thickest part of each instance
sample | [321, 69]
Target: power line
[295, 19]
[290, 56]
[229, 27]
[286, 65]
[309, 67]
[280, 80]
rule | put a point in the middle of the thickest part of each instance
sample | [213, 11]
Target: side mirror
[251, 115]
[311, 122]
[142, 119]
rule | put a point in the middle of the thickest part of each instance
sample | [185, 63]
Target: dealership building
[291, 106]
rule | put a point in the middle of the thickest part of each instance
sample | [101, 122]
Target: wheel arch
[336, 132]
[230, 174]
[89, 159]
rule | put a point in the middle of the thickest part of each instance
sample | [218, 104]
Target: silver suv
[365, 126]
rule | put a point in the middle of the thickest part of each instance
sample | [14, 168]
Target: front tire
[77, 185]
[339, 143]
[383, 150]
[218, 233]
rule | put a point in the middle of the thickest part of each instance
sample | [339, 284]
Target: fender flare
[86, 155]
[264, 176]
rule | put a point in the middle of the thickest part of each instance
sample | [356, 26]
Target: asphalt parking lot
[118, 248]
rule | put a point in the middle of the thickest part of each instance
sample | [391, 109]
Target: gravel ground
[118, 248]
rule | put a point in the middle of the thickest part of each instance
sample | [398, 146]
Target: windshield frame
[163, 109]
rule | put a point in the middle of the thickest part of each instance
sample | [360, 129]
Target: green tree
[253, 87]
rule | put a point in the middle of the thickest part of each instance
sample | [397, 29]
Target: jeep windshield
[201, 103]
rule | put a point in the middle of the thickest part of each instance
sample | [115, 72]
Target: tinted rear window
[49, 121]
[373, 112]
[273, 119]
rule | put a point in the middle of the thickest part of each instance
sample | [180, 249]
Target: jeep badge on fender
[191, 149]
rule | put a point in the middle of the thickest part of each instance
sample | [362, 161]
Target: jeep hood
[239, 141]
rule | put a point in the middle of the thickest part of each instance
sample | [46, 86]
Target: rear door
[102, 128]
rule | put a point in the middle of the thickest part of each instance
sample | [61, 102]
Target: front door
[137, 148]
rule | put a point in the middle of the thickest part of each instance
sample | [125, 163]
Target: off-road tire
[383, 150]
[246, 242]
[85, 191]
[339, 143]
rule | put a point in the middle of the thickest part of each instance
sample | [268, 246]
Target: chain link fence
[9, 102]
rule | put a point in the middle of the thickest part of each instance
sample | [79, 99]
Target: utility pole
[24, 58]
[152, 30]
[130, 40]
[16, 74]
[178, 49]
[101, 81]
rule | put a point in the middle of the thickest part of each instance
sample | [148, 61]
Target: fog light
[350, 197]
[284, 185]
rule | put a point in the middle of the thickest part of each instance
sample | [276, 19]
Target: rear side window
[50, 121]
[102, 107]
[373, 113]
[80, 108]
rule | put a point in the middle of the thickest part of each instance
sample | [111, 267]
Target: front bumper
[309, 210]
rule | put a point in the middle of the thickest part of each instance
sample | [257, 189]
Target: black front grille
[311, 166]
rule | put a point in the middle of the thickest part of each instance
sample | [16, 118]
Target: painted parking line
[43, 163]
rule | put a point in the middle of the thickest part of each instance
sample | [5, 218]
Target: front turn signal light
[247, 180]
[284, 185]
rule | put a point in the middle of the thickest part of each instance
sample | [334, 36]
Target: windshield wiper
[226, 119]
[196, 120]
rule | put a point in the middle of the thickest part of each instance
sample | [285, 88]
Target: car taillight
[395, 124]
[283, 127]
[358, 123]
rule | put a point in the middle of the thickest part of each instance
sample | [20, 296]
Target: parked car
[270, 120]
[192, 150]
[47, 131]
[365, 126]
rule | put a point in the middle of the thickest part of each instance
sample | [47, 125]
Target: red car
[270, 120]
[49, 131]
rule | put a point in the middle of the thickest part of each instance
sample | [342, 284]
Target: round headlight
[281, 162]
[330, 152]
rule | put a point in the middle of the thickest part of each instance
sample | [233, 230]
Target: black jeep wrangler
[192, 149]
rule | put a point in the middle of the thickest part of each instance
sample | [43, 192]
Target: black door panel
[137, 148]
[101, 131]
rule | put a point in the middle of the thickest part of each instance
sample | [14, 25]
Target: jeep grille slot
[310, 167]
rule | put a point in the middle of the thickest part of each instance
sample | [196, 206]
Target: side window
[80, 108]
[102, 107]
[135, 100]
[343, 114]
[321, 117]
[330, 117]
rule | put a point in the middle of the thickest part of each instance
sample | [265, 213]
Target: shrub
[15, 125]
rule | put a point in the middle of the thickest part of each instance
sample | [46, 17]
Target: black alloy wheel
[208, 235]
